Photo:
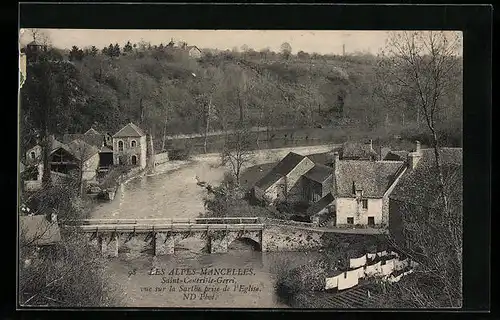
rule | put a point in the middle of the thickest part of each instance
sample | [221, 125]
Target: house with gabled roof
[349, 192]
[282, 180]
[130, 146]
[362, 189]
[91, 131]
[193, 52]
[418, 193]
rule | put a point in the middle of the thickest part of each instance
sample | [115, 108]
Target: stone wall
[160, 158]
[288, 238]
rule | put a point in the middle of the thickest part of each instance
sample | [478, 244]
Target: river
[172, 192]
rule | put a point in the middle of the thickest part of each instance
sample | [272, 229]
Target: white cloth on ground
[349, 280]
[382, 253]
[394, 254]
[361, 272]
[373, 269]
[408, 272]
[331, 282]
[387, 268]
[413, 263]
[371, 256]
[401, 264]
[358, 262]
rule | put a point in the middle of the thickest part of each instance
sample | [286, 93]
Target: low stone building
[417, 192]
[282, 182]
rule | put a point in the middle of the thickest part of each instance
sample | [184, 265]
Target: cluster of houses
[358, 186]
[89, 154]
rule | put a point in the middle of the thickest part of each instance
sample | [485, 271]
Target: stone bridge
[163, 234]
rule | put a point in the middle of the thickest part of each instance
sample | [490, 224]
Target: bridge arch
[252, 238]
[256, 245]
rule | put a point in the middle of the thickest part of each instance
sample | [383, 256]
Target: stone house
[417, 192]
[362, 189]
[282, 182]
[130, 146]
[194, 52]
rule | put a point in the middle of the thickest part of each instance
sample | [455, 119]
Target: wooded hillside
[165, 91]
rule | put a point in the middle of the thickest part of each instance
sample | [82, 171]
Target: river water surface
[173, 193]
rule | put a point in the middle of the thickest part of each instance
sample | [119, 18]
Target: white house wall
[348, 207]
[38, 154]
[90, 167]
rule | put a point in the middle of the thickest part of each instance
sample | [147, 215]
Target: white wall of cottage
[351, 208]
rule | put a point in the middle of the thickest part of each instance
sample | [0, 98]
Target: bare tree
[421, 68]
[39, 36]
[237, 151]
[286, 50]
[84, 154]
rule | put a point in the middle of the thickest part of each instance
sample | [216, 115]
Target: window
[133, 143]
[371, 221]
[350, 220]
[134, 160]
[33, 155]
[120, 145]
[364, 203]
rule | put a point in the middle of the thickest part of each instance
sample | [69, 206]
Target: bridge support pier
[219, 245]
[163, 244]
[110, 244]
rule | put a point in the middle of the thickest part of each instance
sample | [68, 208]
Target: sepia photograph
[273, 169]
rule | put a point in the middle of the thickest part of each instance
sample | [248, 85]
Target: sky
[323, 42]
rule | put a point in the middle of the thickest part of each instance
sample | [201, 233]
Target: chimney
[370, 143]
[413, 159]
[53, 217]
[417, 148]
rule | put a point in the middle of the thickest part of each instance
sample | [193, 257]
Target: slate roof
[420, 186]
[92, 131]
[320, 204]
[319, 173]
[192, 47]
[56, 144]
[357, 150]
[80, 149]
[373, 177]
[39, 229]
[130, 130]
[290, 161]
[96, 140]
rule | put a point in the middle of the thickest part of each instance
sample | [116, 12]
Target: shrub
[68, 274]
[296, 276]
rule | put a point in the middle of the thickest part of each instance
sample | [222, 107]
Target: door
[371, 221]
[134, 160]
